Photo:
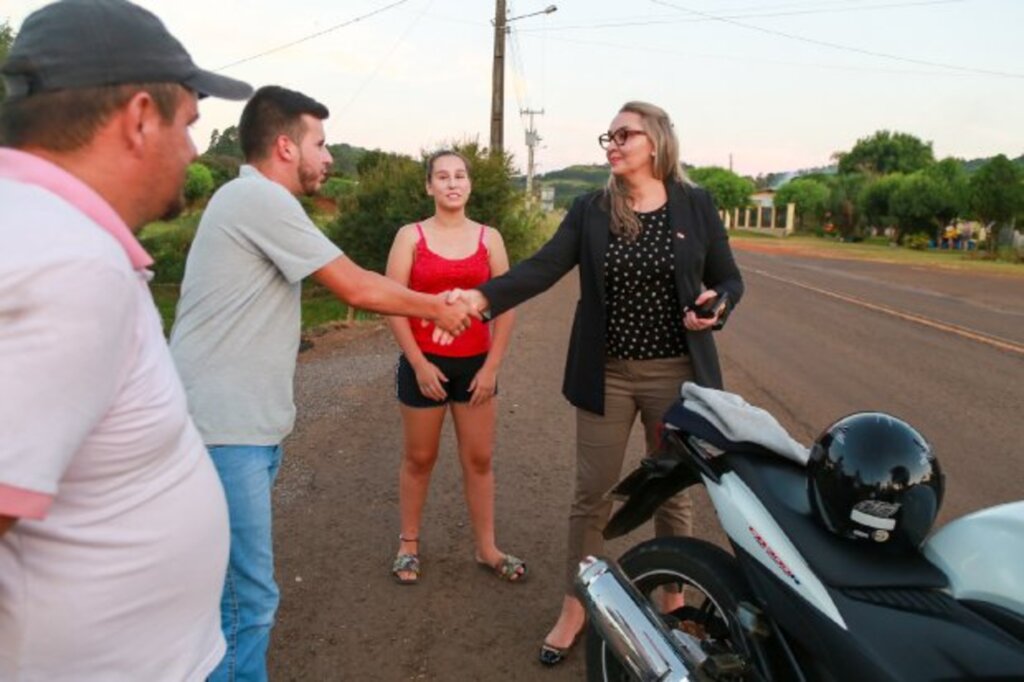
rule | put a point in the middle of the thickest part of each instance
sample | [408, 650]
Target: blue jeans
[250, 597]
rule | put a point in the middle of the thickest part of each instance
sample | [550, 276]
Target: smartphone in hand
[709, 309]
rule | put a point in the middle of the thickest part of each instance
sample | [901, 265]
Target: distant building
[763, 198]
[547, 197]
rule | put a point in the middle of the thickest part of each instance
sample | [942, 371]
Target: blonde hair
[658, 127]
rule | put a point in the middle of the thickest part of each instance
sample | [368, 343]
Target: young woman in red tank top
[444, 252]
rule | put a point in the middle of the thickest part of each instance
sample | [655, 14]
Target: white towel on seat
[741, 422]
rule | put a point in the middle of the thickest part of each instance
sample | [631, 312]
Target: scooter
[793, 601]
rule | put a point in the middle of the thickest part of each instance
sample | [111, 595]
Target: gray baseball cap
[88, 43]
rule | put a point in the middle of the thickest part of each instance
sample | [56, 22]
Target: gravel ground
[336, 520]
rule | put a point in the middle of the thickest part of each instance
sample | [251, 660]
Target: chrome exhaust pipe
[628, 624]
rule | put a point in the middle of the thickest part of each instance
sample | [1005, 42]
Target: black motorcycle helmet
[873, 477]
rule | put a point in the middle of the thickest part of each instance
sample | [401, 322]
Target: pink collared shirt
[22, 167]
[115, 566]
[19, 166]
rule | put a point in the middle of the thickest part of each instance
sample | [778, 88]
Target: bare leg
[422, 431]
[474, 428]
[569, 624]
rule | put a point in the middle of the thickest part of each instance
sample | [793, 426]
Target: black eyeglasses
[619, 137]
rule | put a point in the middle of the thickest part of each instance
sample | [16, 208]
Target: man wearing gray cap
[113, 523]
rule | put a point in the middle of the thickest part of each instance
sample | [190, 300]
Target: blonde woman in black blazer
[650, 249]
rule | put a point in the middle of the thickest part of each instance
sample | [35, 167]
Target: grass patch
[166, 298]
[319, 306]
[167, 228]
[738, 232]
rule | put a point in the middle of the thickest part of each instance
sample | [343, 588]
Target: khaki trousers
[644, 387]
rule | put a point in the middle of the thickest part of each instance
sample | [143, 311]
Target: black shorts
[460, 373]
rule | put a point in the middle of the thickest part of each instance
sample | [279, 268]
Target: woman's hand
[431, 380]
[696, 324]
[483, 385]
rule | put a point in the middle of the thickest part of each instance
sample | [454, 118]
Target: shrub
[335, 188]
[523, 231]
[198, 183]
[223, 168]
[391, 193]
[918, 241]
[168, 244]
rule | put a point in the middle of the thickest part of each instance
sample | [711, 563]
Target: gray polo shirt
[236, 333]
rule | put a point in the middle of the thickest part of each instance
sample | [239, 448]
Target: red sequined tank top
[432, 274]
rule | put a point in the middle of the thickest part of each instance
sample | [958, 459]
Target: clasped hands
[453, 318]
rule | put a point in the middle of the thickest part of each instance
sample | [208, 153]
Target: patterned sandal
[406, 563]
[510, 569]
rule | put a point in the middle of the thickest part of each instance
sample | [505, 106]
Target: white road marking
[965, 332]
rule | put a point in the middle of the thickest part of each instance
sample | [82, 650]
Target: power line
[835, 46]
[633, 47]
[519, 74]
[303, 39]
[387, 55]
[761, 14]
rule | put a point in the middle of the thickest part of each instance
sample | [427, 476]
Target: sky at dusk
[779, 85]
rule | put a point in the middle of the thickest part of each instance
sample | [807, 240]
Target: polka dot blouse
[644, 317]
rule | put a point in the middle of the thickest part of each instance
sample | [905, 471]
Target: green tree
[809, 195]
[225, 143]
[919, 203]
[6, 40]
[335, 188]
[391, 193]
[842, 202]
[874, 200]
[997, 194]
[346, 157]
[198, 183]
[223, 168]
[886, 152]
[728, 189]
[953, 178]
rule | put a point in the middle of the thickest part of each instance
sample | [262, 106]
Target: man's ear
[139, 122]
[284, 148]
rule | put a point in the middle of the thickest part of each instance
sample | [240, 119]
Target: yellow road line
[972, 334]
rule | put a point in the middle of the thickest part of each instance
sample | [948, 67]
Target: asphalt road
[809, 343]
[816, 339]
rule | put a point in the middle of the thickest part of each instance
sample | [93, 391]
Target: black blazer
[702, 255]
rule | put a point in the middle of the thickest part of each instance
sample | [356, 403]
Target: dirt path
[337, 520]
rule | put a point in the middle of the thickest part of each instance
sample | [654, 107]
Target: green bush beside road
[362, 218]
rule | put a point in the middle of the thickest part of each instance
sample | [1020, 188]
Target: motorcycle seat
[781, 486]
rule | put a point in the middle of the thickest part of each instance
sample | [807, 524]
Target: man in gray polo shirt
[236, 337]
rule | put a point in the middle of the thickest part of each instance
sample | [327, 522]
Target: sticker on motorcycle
[773, 556]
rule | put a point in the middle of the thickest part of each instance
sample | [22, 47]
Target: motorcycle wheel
[712, 586]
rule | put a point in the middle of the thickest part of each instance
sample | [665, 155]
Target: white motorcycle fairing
[749, 525]
[982, 554]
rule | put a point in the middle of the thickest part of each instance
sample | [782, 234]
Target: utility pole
[498, 80]
[532, 138]
[501, 23]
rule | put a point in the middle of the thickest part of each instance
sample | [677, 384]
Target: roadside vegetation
[890, 186]
[369, 195]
